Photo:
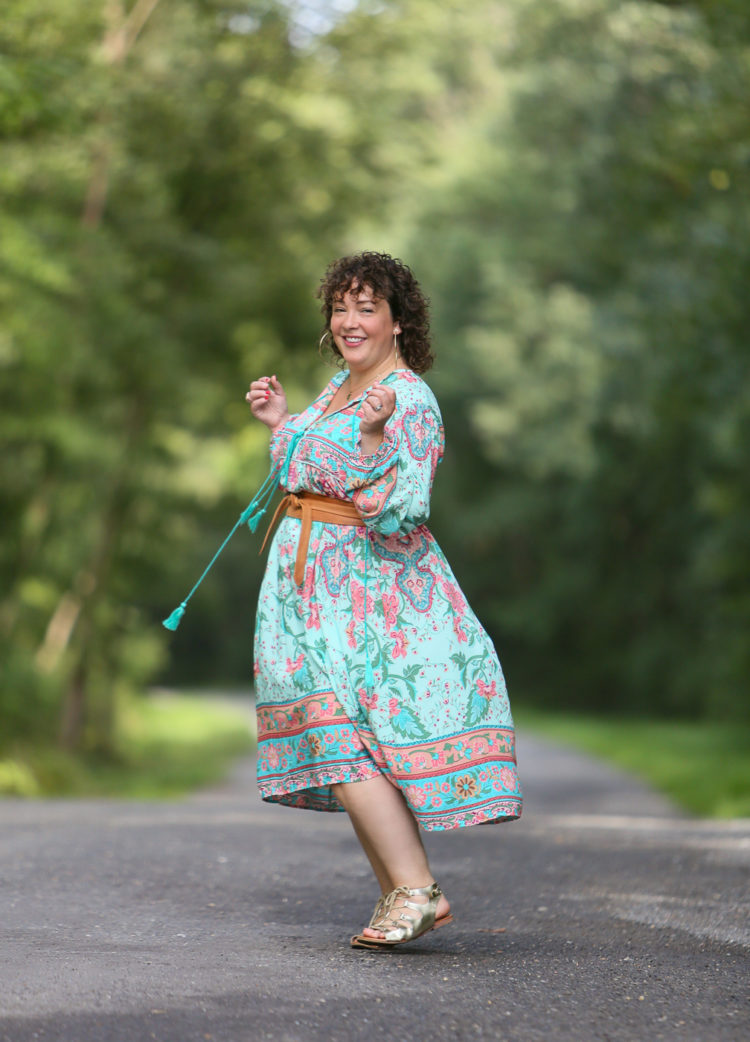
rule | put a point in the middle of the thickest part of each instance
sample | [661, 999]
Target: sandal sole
[374, 944]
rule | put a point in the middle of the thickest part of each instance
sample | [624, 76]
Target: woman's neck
[358, 379]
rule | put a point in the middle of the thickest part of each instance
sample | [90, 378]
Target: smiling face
[363, 328]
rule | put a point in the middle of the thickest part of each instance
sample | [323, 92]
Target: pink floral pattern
[437, 720]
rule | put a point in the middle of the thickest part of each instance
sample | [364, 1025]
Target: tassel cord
[211, 563]
[247, 516]
[294, 442]
[251, 515]
[265, 492]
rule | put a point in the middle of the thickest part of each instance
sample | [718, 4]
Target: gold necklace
[383, 372]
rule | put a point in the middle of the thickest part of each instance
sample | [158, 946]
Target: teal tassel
[174, 619]
[254, 520]
[369, 677]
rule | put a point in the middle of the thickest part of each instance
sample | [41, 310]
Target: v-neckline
[354, 401]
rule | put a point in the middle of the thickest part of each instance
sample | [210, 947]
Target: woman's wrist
[370, 442]
[281, 423]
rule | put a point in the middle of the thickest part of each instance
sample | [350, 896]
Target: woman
[378, 691]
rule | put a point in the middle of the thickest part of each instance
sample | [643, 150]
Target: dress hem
[313, 793]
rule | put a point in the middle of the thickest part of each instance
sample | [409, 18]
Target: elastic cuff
[387, 448]
[276, 434]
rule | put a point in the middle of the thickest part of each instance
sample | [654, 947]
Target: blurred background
[569, 181]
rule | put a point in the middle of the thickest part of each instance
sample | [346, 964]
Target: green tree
[602, 308]
[170, 192]
[570, 181]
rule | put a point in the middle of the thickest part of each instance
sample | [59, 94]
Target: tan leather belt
[311, 507]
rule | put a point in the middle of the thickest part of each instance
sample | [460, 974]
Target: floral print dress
[375, 663]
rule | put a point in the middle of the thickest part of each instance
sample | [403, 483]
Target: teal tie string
[174, 619]
[251, 515]
[284, 471]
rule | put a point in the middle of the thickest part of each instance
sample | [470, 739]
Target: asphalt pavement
[603, 914]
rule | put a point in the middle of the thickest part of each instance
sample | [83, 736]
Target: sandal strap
[377, 911]
[403, 926]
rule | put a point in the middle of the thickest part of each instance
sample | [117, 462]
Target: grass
[704, 767]
[167, 745]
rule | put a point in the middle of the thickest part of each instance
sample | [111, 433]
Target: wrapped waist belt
[309, 506]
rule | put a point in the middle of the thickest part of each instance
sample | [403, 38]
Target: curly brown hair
[388, 279]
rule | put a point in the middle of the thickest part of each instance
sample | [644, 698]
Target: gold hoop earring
[321, 344]
[331, 345]
[395, 346]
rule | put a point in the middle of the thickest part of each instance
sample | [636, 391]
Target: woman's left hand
[376, 409]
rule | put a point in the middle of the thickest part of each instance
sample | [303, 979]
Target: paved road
[601, 915]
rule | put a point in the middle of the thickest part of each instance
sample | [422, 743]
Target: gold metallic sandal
[397, 922]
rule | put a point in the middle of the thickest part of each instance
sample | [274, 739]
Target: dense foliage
[568, 178]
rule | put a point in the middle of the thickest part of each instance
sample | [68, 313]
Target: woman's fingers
[381, 401]
[263, 389]
[267, 401]
[376, 409]
[267, 384]
[259, 389]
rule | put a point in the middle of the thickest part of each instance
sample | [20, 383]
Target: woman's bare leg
[389, 835]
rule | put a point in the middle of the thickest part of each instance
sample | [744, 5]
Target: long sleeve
[399, 499]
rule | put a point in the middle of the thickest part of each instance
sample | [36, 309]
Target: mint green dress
[376, 663]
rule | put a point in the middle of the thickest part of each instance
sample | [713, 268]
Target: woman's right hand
[268, 402]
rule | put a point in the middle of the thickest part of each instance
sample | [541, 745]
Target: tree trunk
[121, 33]
[88, 587]
[73, 721]
[122, 30]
